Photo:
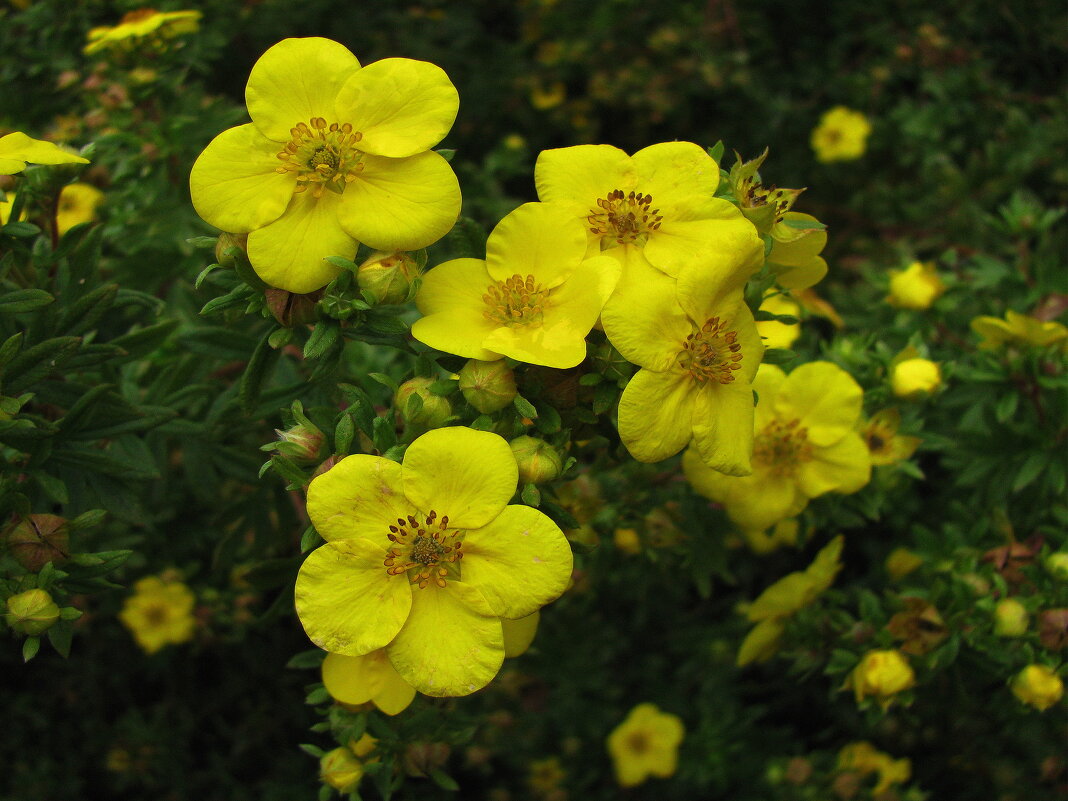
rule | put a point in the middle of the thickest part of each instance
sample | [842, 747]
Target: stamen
[324, 156]
[782, 447]
[625, 218]
[711, 353]
[515, 301]
[424, 552]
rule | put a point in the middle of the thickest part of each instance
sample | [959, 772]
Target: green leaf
[289, 471]
[343, 434]
[525, 407]
[38, 361]
[791, 222]
[385, 433]
[779, 356]
[142, 342]
[311, 750]
[30, 648]
[385, 381]
[322, 339]
[10, 348]
[86, 312]
[444, 781]
[24, 300]
[20, 229]
[716, 151]
[1031, 469]
[60, 636]
[97, 461]
[256, 373]
[531, 495]
[81, 413]
[591, 380]
[310, 539]
[306, 660]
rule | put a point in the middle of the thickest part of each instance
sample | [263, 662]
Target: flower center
[710, 353]
[516, 301]
[638, 742]
[782, 447]
[156, 615]
[626, 218]
[323, 156]
[428, 549]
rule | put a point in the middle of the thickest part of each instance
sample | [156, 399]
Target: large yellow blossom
[160, 612]
[842, 135]
[1019, 330]
[424, 559]
[805, 445]
[534, 298]
[17, 150]
[645, 744]
[335, 155]
[142, 25]
[699, 349]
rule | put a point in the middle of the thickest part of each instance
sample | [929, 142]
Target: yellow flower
[546, 776]
[885, 445]
[77, 204]
[863, 758]
[1037, 686]
[534, 298]
[916, 287]
[881, 675]
[140, 26]
[774, 333]
[335, 155]
[805, 445]
[698, 348]
[627, 540]
[423, 559]
[797, 263]
[160, 612]
[17, 150]
[912, 379]
[842, 135]
[1018, 329]
[342, 768]
[645, 744]
[544, 97]
[371, 677]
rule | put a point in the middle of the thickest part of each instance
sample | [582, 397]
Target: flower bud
[224, 248]
[291, 309]
[1037, 686]
[303, 443]
[610, 363]
[916, 287]
[538, 460]
[1057, 565]
[1010, 618]
[38, 540]
[422, 758]
[915, 378]
[882, 675]
[340, 769]
[388, 276]
[32, 612]
[488, 386]
[627, 540]
[432, 411]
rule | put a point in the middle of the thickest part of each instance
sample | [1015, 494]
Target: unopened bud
[388, 276]
[340, 769]
[227, 247]
[1038, 686]
[915, 378]
[32, 612]
[1010, 618]
[303, 443]
[429, 411]
[291, 309]
[420, 759]
[1057, 565]
[610, 363]
[38, 540]
[538, 460]
[488, 386]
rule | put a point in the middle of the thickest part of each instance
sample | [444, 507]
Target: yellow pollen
[323, 156]
[710, 353]
[782, 447]
[426, 550]
[624, 217]
[516, 301]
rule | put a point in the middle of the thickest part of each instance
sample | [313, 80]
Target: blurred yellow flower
[912, 379]
[774, 333]
[336, 154]
[627, 540]
[143, 26]
[916, 287]
[1018, 329]
[881, 675]
[77, 204]
[1038, 686]
[342, 768]
[863, 758]
[160, 612]
[885, 445]
[645, 744]
[547, 96]
[841, 135]
[17, 150]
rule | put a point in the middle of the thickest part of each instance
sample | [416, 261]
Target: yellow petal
[452, 643]
[767, 383]
[466, 474]
[718, 276]
[656, 414]
[396, 694]
[295, 80]
[347, 601]
[538, 239]
[519, 562]
[17, 149]
[360, 496]
[519, 634]
[723, 427]
[400, 105]
[401, 204]
[291, 252]
[842, 467]
[761, 643]
[578, 176]
[682, 178]
[800, 251]
[678, 243]
[802, 276]
[372, 677]
[454, 320]
[786, 596]
[824, 397]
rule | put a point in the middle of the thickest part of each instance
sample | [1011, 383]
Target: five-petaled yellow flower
[336, 154]
[143, 26]
[160, 612]
[424, 558]
[805, 445]
[699, 349]
[885, 445]
[534, 298]
[881, 675]
[645, 744]
[842, 135]
[17, 150]
[1019, 330]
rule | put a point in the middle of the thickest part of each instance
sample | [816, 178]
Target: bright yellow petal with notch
[538, 239]
[767, 383]
[723, 427]
[452, 643]
[678, 243]
[401, 204]
[519, 562]
[578, 176]
[345, 599]
[682, 179]
[17, 149]
[291, 252]
[360, 496]
[234, 185]
[824, 397]
[454, 321]
[466, 474]
[519, 634]
[400, 105]
[656, 414]
[843, 467]
[295, 80]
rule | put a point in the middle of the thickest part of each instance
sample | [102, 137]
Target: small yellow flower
[546, 776]
[534, 298]
[1038, 686]
[1020, 330]
[842, 135]
[645, 744]
[912, 379]
[863, 758]
[160, 612]
[143, 26]
[547, 96]
[774, 333]
[627, 540]
[77, 204]
[336, 154]
[424, 559]
[916, 287]
[17, 150]
[881, 675]
[885, 445]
